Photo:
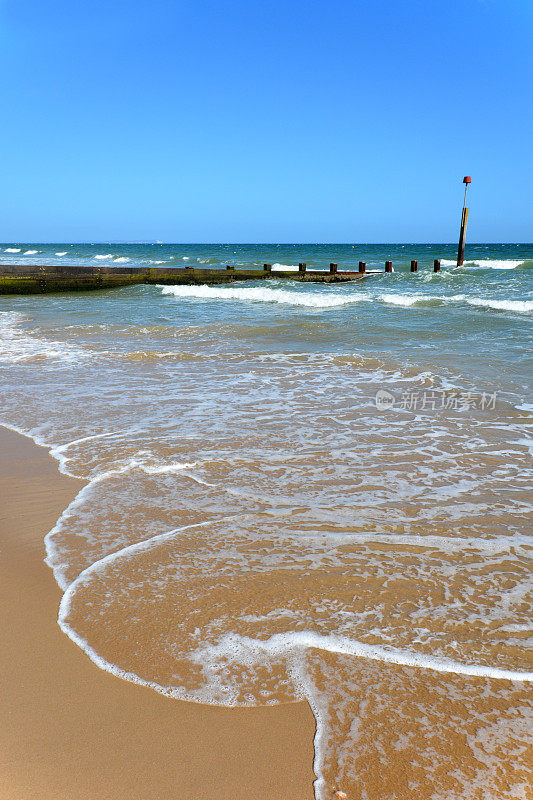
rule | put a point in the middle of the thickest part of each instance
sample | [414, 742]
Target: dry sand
[69, 731]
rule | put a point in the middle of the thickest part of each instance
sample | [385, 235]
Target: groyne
[42, 279]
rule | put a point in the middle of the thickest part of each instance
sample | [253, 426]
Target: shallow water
[301, 491]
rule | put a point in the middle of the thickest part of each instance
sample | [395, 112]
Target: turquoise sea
[300, 491]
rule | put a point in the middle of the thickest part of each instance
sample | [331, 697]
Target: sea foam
[486, 263]
[263, 295]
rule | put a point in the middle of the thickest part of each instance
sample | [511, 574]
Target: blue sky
[266, 120]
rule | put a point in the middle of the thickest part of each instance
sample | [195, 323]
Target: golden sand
[69, 731]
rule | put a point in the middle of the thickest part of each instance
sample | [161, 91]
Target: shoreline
[71, 730]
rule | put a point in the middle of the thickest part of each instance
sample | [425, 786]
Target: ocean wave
[405, 300]
[408, 300]
[487, 263]
[519, 306]
[16, 345]
[61, 254]
[12, 249]
[30, 252]
[264, 295]
[120, 260]
[101, 257]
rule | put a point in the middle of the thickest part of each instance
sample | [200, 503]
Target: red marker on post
[464, 219]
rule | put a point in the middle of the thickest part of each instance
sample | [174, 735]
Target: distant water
[317, 256]
[301, 491]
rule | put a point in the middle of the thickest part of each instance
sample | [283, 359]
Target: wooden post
[414, 266]
[302, 266]
[267, 267]
[436, 265]
[189, 266]
[388, 266]
[362, 266]
[230, 267]
[333, 268]
[464, 219]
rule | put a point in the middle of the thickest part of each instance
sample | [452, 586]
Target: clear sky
[265, 120]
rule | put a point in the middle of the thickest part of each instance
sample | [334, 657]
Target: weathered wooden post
[464, 219]
[414, 265]
[267, 267]
[230, 267]
[436, 265]
[189, 266]
[362, 266]
[388, 266]
[302, 266]
[333, 268]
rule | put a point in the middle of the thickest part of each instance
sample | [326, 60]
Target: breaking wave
[264, 295]
[488, 263]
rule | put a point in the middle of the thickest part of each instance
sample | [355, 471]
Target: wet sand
[69, 731]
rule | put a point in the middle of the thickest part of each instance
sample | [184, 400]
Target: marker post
[464, 219]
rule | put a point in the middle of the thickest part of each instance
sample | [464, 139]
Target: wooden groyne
[41, 279]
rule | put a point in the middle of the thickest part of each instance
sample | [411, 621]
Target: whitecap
[486, 263]
[264, 295]
[121, 260]
[408, 300]
[12, 249]
[30, 252]
[518, 306]
[109, 255]
[405, 300]
[62, 254]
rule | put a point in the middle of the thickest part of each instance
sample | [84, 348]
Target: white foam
[17, 345]
[290, 646]
[169, 468]
[518, 306]
[101, 257]
[284, 268]
[408, 300]
[486, 263]
[30, 252]
[121, 260]
[405, 300]
[264, 295]
[12, 249]
[238, 646]
[62, 254]
[58, 451]
[526, 443]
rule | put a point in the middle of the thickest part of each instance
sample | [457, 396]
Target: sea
[300, 491]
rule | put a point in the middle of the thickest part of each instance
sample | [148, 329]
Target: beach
[266, 401]
[70, 730]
